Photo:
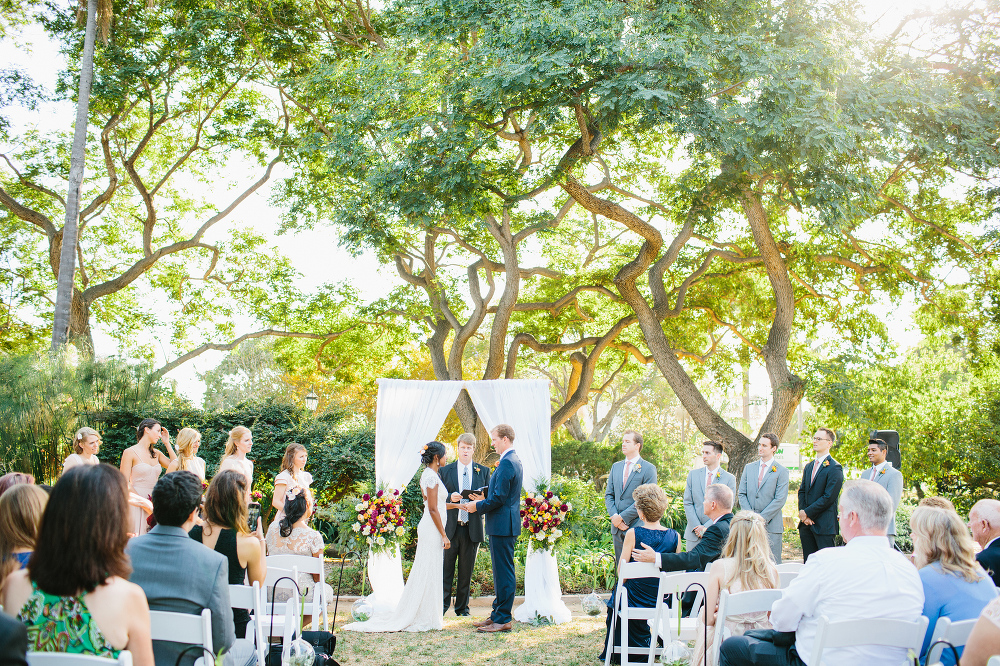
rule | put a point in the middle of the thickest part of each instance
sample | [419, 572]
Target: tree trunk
[67, 255]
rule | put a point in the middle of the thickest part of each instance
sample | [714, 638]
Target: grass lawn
[575, 643]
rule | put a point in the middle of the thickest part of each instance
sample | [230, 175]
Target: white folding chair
[739, 603]
[672, 583]
[66, 659]
[249, 597]
[790, 567]
[273, 613]
[956, 633]
[786, 578]
[871, 631]
[619, 623]
[182, 628]
[321, 591]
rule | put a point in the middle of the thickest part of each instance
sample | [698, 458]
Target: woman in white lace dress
[420, 607]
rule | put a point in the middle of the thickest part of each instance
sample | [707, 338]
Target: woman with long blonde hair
[86, 444]
[188, 442]
[955, 586]
[237, 447]
[21, 510]
[746, 564]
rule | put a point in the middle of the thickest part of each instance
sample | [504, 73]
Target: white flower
[380, 541]
[356, 527]
[358, 507]
[367, 530]
[556, 533]
[369, 541]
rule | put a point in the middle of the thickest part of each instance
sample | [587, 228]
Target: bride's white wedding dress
[420, 607]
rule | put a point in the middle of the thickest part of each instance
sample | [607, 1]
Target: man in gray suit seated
[883, 473]
[625, 476]
[694, 493]
[764, 490]
[180, 575]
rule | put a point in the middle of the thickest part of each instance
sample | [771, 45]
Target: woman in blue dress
[650, 503]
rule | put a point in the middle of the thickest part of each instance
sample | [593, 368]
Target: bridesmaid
[86, 444]
[141, 465]
[235, 458]
[293, 475]
[188, 442]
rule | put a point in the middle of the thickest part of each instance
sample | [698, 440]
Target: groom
[501, 507]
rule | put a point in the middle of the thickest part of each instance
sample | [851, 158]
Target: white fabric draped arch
[410, 413]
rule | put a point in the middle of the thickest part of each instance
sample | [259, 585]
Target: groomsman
[464, 530]
[764, 490]
[883, 473]
[694, 493]
[821, 482]
[625, 476]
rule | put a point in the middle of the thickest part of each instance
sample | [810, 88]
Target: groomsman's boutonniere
[826, 463]
[882, 471]
[638, 467]
[774, 468]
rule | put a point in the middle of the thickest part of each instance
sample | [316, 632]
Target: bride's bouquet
[380, 520]
[542, 515]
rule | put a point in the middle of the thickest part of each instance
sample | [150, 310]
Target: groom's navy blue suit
[502, 510]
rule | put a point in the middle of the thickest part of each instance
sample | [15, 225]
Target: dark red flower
[548, 495]
[523, 512]
[378, 494]
[564, 507]
[366, 497]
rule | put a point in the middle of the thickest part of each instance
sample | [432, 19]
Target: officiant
[465, 530]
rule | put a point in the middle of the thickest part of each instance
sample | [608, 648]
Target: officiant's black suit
[465, 539]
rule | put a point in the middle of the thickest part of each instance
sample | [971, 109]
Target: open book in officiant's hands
[467, 494]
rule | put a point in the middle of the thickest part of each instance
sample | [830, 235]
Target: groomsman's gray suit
[892, 481]
[768, 499]
[694, 500]
[618, 497]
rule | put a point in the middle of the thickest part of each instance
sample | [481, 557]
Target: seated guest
[12, 479]
[182, 576]
[86, 444]
[226, 532]
[864, 580]
[650, 502]
[21, 510]
[13, 641]
[747, 563]
[74, 596]
[984, 641]
[984, 521]
[955, 586]
[937, 502]
[293, 536]
[718, 506]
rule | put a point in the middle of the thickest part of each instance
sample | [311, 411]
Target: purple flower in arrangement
[523, 512]
[564, 507]
[525, 523]
[366, 497]
[395, 493]
[378, 494]
[548, 495]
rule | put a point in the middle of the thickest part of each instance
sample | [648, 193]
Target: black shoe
[464, 613]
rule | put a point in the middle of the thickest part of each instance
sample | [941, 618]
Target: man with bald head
[984, 522]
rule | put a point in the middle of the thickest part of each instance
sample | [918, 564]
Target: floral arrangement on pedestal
[542, 513]
[380, 520]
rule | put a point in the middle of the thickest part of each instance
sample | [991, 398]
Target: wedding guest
[718, 507]
[293, 475]
[822, 480]
[141, 464]
[938, 502]
[465, 530]
[182, 576]
[864, 580]
[11, 479]
[74, 596]
[235, 456]
[86, 444]
[746, 564]
[226, 532]
[984, 522]
[624, 477]
[13, 641]
[188, 442]
[21, 509]
[698, 481]
[650, 502]
[883, 473]
[292, 536]
[955, 586]
[764, 490]
[984, 641]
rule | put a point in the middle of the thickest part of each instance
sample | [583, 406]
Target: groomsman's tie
[815, 471]
[874, 472]
[463, 516]
[708, 478]
[628, 467]
[760, 477]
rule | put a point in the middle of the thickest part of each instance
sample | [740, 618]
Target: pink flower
[378, 494]
[366, 497]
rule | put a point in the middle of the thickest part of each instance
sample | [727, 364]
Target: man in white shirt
[864, 580]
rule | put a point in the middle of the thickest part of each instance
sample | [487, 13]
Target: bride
[419, 608]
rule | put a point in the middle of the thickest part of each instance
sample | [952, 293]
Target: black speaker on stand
[891, 438]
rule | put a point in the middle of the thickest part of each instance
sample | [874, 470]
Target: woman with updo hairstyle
[226, 531]
[141, 464]
[188, 443]
[746, 564]
[419, 607]
[235, 457]
[21, 510]
[650, 503]
[11, 479]
[86, 444]
[292, 536]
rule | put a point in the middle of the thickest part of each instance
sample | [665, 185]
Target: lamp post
[312, 401]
